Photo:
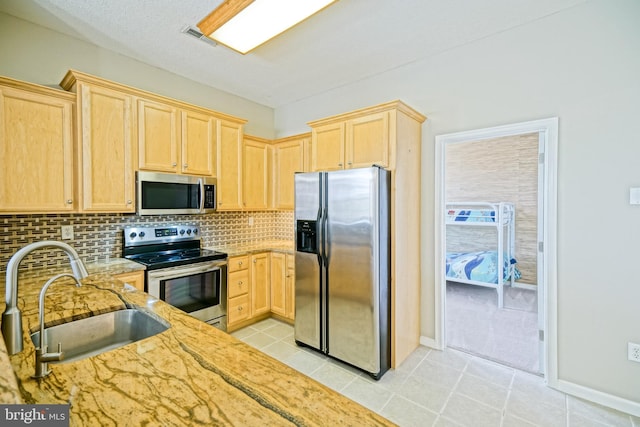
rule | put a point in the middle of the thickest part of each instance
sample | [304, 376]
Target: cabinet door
[199, 133]
[255, 191]
[327, 147]
[260, 276]
[367, 141]
[36, 152]
[289, 159]
[106, 129]
[229, 166]
[238, 310]
[158, 136]
[278, 282]
[134, 278]
[290, 282]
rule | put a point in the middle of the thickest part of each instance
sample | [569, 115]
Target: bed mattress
[479, 266]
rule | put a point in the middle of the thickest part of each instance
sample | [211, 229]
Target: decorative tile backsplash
[99, 236]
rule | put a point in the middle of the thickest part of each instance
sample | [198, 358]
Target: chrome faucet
[12, 317]
[42, 356]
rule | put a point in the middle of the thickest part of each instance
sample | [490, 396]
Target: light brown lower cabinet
[134, 278]
[238, 287]
[282, 285]
[259, 285]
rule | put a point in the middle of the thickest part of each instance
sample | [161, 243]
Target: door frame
[547, 219]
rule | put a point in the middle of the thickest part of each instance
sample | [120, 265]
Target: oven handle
[161, 275]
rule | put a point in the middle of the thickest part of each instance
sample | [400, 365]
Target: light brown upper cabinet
[158, 136]
[199, 133]
[351, 143]
[123, 129]
[175, 140]
[256, 170]
[229, 186]
[290, 156]
[327, 146]
[106, 144]
[359, 139]
[36, 148]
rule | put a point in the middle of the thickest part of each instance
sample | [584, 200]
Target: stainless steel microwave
[168, 194]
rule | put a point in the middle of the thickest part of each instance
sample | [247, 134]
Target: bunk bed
[494, 266]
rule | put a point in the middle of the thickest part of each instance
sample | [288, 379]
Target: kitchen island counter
[190, 374]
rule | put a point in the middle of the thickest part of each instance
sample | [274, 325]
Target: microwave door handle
[201, 184]
[182, 272]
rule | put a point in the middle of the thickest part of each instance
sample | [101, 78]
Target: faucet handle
[52, 357]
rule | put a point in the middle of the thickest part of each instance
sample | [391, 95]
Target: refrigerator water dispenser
[306, 238]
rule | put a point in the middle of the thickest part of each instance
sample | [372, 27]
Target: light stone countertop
[190, 374]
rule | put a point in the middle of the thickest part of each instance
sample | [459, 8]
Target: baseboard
[605, 399]
[429, 342]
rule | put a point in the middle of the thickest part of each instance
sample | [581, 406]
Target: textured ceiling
[347, 42]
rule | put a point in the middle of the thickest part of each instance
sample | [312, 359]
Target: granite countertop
[190, 374]
[285, 246]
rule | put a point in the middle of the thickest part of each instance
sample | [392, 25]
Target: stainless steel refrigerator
[342, 221]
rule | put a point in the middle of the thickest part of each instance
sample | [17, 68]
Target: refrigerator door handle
[325, 237]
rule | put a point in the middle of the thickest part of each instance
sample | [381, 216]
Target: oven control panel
[134, 236]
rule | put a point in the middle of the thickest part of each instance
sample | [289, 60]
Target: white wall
[582, 65]
[36, 54]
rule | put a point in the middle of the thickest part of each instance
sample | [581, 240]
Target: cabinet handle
[69, 202]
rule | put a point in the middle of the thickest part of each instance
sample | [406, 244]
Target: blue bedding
[479, 266]
[471, 215]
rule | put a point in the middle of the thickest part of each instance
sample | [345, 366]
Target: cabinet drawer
[238, 309]
[238, 263]
[238, 283]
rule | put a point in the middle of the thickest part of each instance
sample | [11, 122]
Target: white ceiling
[347, 42]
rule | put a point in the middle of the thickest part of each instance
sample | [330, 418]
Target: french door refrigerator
[342, 273]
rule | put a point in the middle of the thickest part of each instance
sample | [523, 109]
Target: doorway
[514, 164]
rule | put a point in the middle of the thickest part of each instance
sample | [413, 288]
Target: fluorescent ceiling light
[244, 25]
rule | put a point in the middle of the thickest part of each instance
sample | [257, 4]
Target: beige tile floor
[439, 388]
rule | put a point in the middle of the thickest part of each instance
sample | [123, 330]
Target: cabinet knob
[239, 262]
[240, 308]
[128, 202]
[184, 166]
[69, 202]
[174, 164]
[350, 163]
[340, 164]
[255, 260]
[240, 283]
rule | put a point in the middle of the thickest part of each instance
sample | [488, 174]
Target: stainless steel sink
[97, 334]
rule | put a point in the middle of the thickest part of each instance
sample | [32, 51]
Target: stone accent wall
[99, 236]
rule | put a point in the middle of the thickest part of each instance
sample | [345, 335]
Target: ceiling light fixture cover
[244, 25]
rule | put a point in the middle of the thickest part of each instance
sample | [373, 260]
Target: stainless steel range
[179, 271]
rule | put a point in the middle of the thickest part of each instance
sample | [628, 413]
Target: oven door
[197, 289]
